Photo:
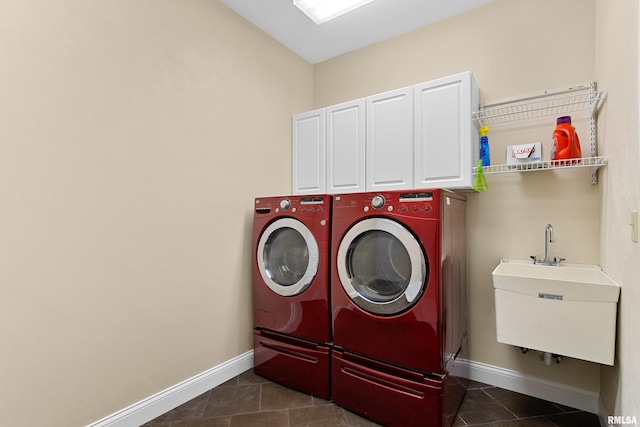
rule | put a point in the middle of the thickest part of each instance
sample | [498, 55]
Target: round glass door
[382, 266]
[287, 257]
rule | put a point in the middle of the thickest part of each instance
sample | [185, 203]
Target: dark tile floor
[252, 401]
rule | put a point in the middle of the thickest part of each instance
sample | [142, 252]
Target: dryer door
[382, 266]
[287, 256]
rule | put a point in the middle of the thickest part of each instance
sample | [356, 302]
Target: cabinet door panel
[389, 140]
[308, 153]
[345, 147]
[438, 150]
[446, 140]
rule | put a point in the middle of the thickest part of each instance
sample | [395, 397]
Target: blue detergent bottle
[485, 152]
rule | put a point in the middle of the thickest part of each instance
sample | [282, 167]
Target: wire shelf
[547, 104]
[558, 102]
[593, 162]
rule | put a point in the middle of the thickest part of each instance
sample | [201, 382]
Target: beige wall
[513, 47]
[617, 70]
[128, 169]
[134, 136]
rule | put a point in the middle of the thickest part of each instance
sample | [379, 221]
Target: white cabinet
[389, 140]
[328, 149]
[446, 138]
[308, 153]
[346, 147]
[420, 136]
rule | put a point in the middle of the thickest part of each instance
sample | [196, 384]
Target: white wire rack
[592, 162]
[559, 102]
[551, 103]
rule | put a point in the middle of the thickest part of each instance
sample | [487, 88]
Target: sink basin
[578, 282]
[569, 310]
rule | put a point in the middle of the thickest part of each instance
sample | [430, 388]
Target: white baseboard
[603, 413]
[574, 397]
[166, 400]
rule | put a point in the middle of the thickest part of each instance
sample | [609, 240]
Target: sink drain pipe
[546, 358]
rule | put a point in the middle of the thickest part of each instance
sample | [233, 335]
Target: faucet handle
[535, 258]
[558, 260]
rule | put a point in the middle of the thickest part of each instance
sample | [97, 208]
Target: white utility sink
[568, 309]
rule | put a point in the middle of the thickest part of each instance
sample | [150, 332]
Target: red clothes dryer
[291, 251]
[398, 304]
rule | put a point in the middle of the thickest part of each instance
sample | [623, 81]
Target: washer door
[382, 266]
[287, 256]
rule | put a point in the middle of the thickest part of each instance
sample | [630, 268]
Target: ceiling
[374, 22]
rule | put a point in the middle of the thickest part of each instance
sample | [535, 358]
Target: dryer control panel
[317, 206]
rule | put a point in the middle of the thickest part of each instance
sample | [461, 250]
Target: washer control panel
[416, 202]
[421, 203]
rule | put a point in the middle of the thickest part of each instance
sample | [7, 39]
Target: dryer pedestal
[299, 364]
[393, 396]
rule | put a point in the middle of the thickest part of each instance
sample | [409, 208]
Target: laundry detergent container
[568, 310]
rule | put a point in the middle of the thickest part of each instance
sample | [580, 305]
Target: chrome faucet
[548, 238]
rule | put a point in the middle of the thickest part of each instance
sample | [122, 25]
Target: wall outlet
[634, 226]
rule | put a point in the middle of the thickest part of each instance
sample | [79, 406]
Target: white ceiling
[374, 22]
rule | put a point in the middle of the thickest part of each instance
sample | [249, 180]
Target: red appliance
[292, 332]
[398, 304]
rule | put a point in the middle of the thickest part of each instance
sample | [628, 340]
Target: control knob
[378, 202]
[285, 204]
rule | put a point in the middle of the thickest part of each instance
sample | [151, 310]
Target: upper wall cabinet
[389, 141]
[308, 152]
[346, 147]
[420, 136]
[446, 138]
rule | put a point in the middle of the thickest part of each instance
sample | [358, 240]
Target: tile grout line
[462, 419]
[458, 413]
[562, 411]
[289, 416]
[505, 408]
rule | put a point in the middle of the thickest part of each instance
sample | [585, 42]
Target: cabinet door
[345, 147]
[308, 153]
[446, 139]
[389, 140]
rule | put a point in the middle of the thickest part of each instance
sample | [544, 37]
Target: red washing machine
[291, 251]
[398, 305]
